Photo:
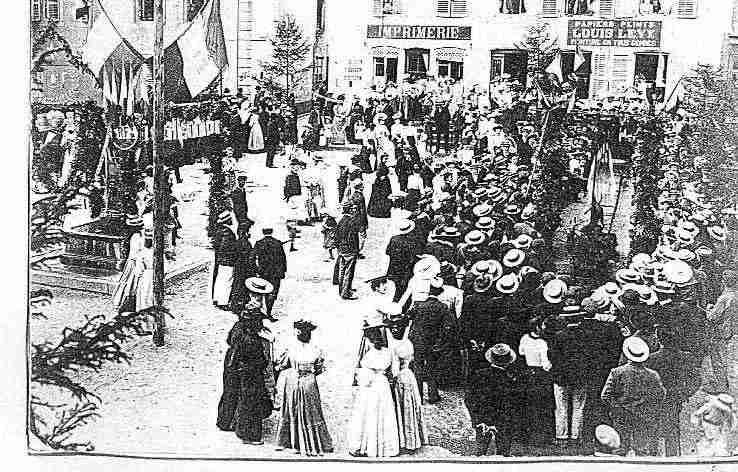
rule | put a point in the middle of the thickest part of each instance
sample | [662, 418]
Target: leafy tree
[542, 48]
[711, 99]
[287, 67]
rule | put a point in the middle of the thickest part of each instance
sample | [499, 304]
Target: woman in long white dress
[256, 134]
[373, 428]
[124, 297]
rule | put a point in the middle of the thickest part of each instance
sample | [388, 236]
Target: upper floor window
[145, 10]
[387, 7]
[320, 15]
[451, 8]
[512, 7]
[53, 10]
[36, 10]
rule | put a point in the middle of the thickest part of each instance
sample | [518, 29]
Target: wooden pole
[161, 212]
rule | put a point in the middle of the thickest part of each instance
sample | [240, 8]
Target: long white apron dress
[373, 428]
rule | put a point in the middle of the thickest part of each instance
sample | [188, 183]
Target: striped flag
[555, 68]
[194, 53]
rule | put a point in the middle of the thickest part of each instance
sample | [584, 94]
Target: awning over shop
[450, 54]
[385, 51]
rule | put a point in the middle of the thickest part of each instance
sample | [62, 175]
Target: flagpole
[160, 211]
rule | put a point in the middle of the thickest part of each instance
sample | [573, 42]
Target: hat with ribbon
[405, 227]
[427, 267]
[522, 242]
[507, 284]
[678, 272]
[474, 237]
[636, 349]
[500, 355]
[485, 223]
[259, 285]
[513, 258]
[717, 233]
[628, 276]
[481, 210]
[554, 291]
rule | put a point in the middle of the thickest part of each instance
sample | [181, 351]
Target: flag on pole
[675, 99]
[661, 71]
[601, 186]
[202, 48]
[114, 88]
[131, 92]
[555, 67]
[123, 97]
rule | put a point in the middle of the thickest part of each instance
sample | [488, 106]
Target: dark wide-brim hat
[304, 325]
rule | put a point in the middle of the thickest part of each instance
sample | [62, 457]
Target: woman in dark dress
[254, 404]
[379, 202]
[231, 378]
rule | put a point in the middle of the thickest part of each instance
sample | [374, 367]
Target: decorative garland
[647, 162]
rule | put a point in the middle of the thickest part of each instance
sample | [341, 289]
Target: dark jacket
[240, 206]
[441, 250]
[271, 259]
[226, 247]
[425, 332]
[492, 396]
[292, 185]
[603, 341]
[679, 372]
[401, 251]
[635, 389]
[347, 235]
[568, 356]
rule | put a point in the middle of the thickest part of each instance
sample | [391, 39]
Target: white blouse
[535, 351]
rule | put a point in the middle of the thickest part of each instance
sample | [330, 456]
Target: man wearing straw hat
[401, 251]
[634, 394]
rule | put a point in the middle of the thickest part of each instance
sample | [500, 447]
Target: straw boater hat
[522, 242]
[482, 210]
[554, 291]
[500, 355]
[717, 233]
[511, 210]
[678, 272]
[607, 437]
[640, 260]
[405, 227]
[611, 289]
[686, 255]
[259, 285]
[480, 192]
[684, 237]
[481, 267]
[647, 295]
[628, 276]
[225, 218]
[427, 267]
[507, 284]
[495, 269]
[513, 258]
[528, 212]
[474, 237]
[690, 227]
[726, 400]
[485, 223]
[664, 287]
[450, 232]
[600, 299]
[636, 349]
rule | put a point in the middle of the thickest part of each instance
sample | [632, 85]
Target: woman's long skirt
[253, 407]
[256, 139]
[302, 427]
[409, 411]
[373, 427]
[231, 394]
[379, 204]
[145, 290]
[124, 297]
[221, 279]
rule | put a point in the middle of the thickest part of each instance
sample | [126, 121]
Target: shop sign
[621, 33]
[418, 32]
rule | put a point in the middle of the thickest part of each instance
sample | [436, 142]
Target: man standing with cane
[347, 242]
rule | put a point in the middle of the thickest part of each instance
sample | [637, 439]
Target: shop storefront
[399, 52]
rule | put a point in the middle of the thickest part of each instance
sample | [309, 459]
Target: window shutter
[397, 7]
[377, 7]
[35, 10]
[550, 8]
[623, 66]
[607, 8]
[458, 8]
[687, 8]
[598, 82]
[52, 10]
[443, 7]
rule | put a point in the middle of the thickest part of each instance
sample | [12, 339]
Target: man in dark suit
[426, 334]
[274, 128]
[401, 251]
[271, 262]
[347, 243]
[240, 204]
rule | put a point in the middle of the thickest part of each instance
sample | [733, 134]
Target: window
[581, 74]
[145, 10]
[573, 7]
[320, 72]
[512, 7]
[652, 7]
[452, 69]
[550, 8]
[451, 8]
[82, 11]
[622, 74]
[607, 8]
[53, 10]
[511, 62]
[686, 8]
[35, 10]
[387, 7]
[416, 61]
[378, 67]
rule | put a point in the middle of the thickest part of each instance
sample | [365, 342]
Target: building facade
[62, 83]
[477, 40]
